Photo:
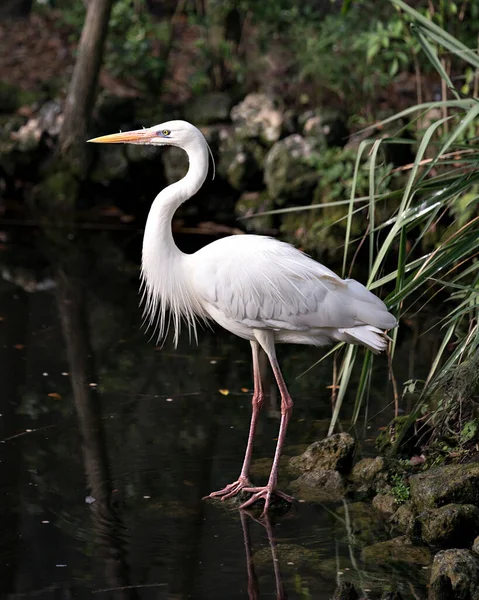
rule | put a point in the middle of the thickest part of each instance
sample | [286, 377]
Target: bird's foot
[231, 489]
[264, 493]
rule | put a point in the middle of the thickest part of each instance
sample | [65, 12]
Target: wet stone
[335, 452]
[453, 525]
[445, 485]
[319, 486]
[454, 576]
[367, 470]
[404, 518]
[399, 551]
[385, 504]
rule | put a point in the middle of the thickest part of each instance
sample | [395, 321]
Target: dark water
[108, 445]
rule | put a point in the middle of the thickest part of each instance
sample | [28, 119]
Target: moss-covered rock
[241, 162]
[398, 551]
[453, 525]
[367, 470]
[404, 518]
[335, 452]
[454, 576]
[369, 475]
[325, 126]
[445, 485]
[287, 173]
[319, 486]
[385, 504]
[251, 203]
[258, 116]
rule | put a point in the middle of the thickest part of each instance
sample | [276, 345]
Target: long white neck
[165, 284]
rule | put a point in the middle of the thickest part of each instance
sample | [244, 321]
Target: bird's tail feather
[367, 335]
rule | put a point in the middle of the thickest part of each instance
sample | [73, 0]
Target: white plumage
[259, 288]
[253, 282]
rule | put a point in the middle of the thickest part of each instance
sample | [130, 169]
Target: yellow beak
[140, 136]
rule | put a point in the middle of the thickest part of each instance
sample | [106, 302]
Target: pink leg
[257, 402]
[267, 492]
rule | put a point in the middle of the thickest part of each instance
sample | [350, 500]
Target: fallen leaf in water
[19, 346]
[188, 483]
[55, 396]
[127, 218]
[110, 211]
[245, 390]
[1, 319]
[224, 392]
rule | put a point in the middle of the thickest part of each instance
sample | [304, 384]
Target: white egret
[256, 287]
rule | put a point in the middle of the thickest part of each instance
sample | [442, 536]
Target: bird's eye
[165, 132]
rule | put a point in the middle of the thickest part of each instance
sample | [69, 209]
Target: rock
[319, 486]
[345, 591]
[404, 518]
[454, 576]
[48, 119]
[369, 475]
[367, 469]
[241, 162]
[385, 503]
[258, 116]
[335, 452]
[209, 108]
[409, 444]
[475, 545]
[398, 551]
[251, 203]
[325, 126]
[287, 174]
[453, 525]
[445, 485]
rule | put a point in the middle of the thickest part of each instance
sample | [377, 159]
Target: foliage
[429, 200]
[135, 45]
[336, 174]
[400, 489]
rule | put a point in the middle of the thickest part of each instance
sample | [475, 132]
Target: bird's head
[171, 133]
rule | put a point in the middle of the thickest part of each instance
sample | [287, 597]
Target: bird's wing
[264, 283]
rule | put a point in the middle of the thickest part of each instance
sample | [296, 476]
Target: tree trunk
[81, 91]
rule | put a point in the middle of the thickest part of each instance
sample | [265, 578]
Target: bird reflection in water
[253, 586]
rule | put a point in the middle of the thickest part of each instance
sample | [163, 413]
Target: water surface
[109, 444]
